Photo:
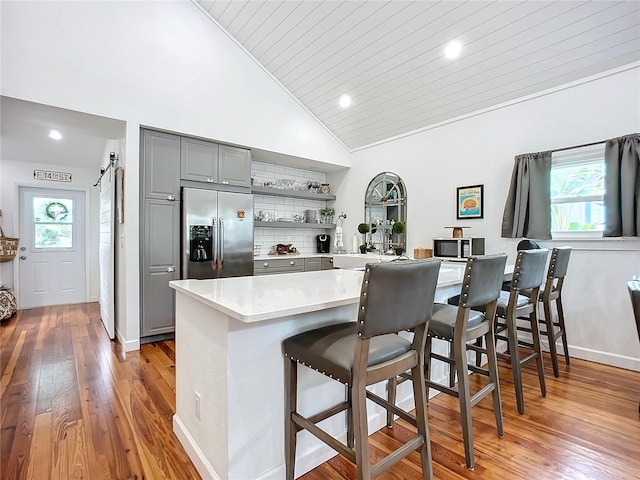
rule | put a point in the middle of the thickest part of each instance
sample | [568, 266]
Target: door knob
[23, 257]
[22, 249]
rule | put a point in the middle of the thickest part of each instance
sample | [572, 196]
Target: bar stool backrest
[559, 262]
[483, 286]
[529, 269]
[634, 293]
[396, 296]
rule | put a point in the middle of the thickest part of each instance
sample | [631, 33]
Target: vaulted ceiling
[388, 56]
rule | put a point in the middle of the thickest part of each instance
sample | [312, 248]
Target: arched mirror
[385, 203]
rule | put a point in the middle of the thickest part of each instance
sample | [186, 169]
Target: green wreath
[56, 211]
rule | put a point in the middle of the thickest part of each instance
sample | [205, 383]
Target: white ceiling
[388, 56]
[25, 126]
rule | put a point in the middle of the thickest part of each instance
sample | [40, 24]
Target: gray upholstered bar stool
[554, 328]
[395, 296]
[514, 308]
[634, 292]
[462, 324]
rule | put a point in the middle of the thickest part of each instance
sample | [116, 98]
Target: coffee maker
[323, 243]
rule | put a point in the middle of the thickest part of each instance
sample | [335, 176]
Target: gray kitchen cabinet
[235, 166]
[278, 265]
[161, 159]
[312, 264]
[209, 162]
[327, 263]
[161, 264]
[198, 160]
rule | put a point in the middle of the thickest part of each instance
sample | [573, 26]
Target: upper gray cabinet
[161, 158]
[203, 161]
[235, 166]
[199, 160]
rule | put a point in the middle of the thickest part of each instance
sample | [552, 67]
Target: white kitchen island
[229, 367]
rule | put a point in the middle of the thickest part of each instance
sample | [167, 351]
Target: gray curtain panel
[527, 212]
[622, 186]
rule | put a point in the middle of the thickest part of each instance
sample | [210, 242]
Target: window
[53, 222]
[577, 191]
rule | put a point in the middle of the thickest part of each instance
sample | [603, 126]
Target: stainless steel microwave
[460, 248]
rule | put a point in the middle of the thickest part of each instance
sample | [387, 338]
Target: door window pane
[53, 222]
[57, 210]
[54, 235]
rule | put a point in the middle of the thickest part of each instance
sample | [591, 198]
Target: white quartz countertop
[258, 298]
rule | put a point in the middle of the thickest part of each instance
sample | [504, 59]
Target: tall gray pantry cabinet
[160, 234]
[169, 162]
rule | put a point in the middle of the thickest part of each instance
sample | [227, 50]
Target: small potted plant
[398, 229]
[363, 228]
[327, 214]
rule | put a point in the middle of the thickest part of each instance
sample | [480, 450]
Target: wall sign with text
[54, 176]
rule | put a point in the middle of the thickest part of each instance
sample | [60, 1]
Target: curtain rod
[577, 146]
[103, 170]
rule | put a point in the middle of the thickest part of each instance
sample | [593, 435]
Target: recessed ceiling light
[453, 49]
[55, 134]
[345, 101]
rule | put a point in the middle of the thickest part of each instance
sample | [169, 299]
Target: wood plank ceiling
[388, 56]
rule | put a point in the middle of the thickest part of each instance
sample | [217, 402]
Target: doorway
[52, 256]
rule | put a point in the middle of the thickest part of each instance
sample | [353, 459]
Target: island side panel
[256, 396]
[201, 366]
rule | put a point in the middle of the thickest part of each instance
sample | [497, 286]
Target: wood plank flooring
[73, 405]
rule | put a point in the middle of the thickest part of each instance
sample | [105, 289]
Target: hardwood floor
[73, 405]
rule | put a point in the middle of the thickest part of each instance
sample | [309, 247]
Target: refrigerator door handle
[221, 244]
[214, 232]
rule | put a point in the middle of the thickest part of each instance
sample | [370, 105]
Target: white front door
[52, 247]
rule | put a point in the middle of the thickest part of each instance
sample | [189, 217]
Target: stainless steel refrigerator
[217, 234]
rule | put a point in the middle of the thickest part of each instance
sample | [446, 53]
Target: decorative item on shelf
[326, 215]
[325, 188]
[310, 216]
[457, 231]
[470, 201]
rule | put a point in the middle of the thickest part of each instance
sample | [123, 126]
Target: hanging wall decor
[470, 202]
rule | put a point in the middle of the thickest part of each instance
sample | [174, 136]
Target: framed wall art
[470, 202]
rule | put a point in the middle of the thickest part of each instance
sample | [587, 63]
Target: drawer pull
[265, 264]
[292, 262]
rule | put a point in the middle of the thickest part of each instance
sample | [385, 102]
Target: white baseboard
[606, 358]
[198, 459]
[128, 346]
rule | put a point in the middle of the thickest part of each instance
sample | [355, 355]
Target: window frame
[578, 156]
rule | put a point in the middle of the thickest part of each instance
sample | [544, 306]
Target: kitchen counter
[229, 367]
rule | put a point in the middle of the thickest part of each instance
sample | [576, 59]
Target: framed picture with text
[470, 201]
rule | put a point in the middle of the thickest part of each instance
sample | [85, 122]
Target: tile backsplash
[304, 239]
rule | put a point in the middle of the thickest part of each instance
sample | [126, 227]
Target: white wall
[158, 64]
[14, 175]
[480, 150]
